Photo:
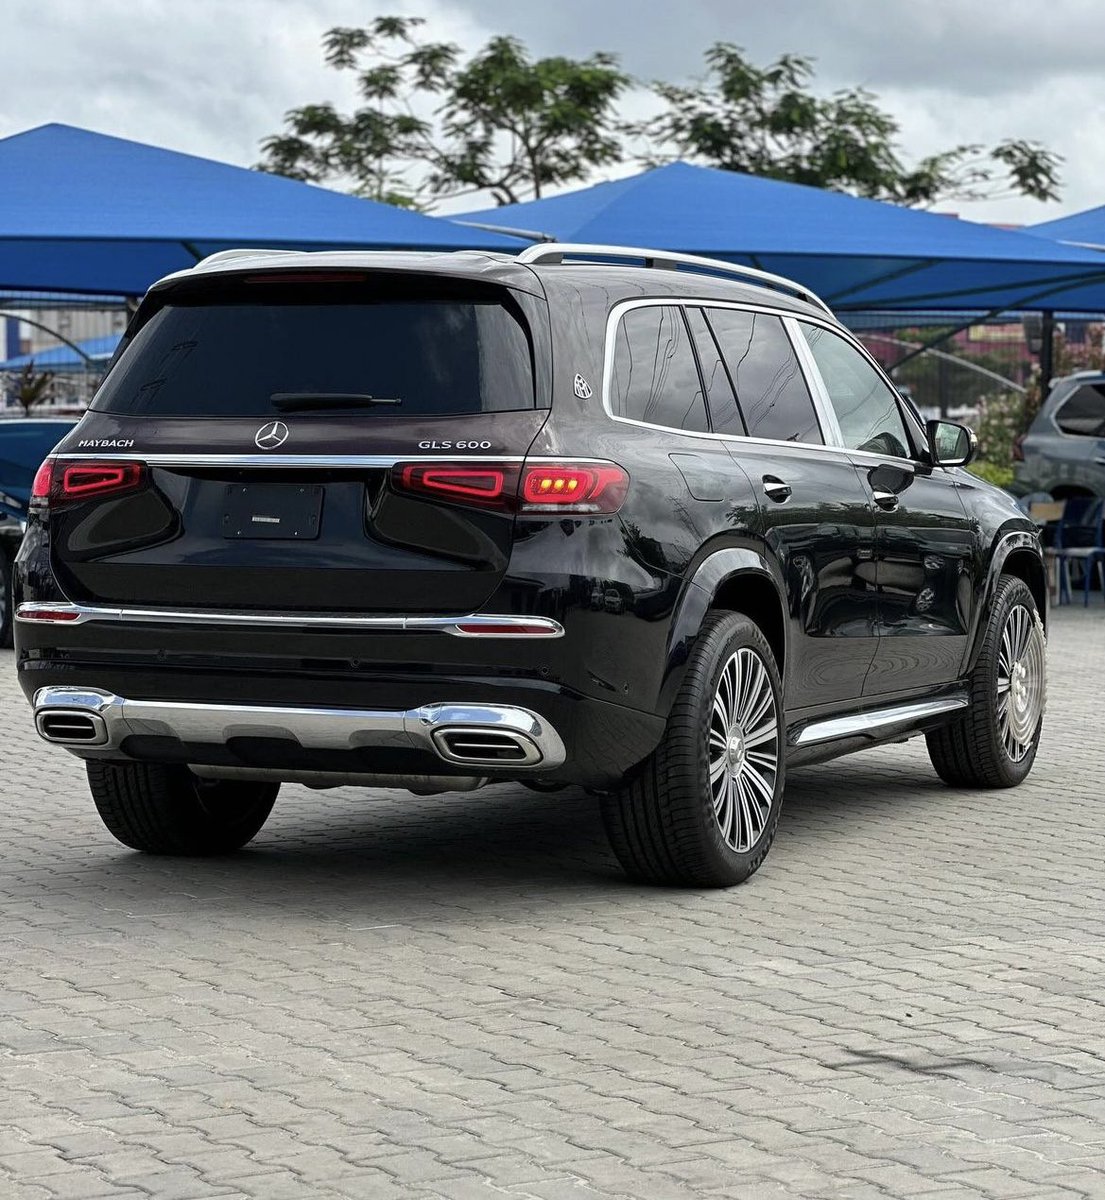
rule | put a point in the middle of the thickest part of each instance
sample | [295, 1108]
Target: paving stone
[459, 996]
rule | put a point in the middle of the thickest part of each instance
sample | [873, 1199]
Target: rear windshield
[406, 356]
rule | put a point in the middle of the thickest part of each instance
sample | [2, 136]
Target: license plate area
[274, 511]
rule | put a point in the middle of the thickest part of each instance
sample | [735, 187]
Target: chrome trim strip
[857, 724]
[553, 252]
[317, 460]
[396, 624]
[312, 728]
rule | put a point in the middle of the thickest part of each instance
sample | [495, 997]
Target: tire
[165, 809]
[663, 825]
[7, 600]
[993, 745]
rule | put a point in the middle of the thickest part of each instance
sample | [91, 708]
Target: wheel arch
[730, 580]
[1029, 567]
[1019, 554]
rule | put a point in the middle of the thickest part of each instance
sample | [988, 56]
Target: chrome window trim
[395, 624]
[822, 404]
[625, 306]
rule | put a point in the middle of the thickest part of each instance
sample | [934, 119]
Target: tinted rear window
[1083, 414]
[438, 357]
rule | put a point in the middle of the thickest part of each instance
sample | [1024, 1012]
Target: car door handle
[887, 500]
[1099, 461]
[775, 489]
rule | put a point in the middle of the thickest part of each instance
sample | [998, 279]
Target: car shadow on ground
[393, 856]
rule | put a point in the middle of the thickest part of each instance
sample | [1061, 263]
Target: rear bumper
[95, 723]
[301, 725]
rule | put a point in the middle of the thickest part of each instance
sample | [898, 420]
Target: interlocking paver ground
[460, 997]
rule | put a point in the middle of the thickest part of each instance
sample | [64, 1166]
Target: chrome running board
[876, 720]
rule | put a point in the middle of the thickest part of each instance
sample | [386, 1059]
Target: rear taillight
[472, 485]
[563, 488]
[1018, 448]
[57, 482]
[573, 487]
[40, 489]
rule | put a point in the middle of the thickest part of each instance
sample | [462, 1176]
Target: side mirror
[950, 444]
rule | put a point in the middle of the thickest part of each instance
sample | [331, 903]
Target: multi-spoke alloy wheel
[993, 744]
[1020, 682]
[703, 810]
[743, 741]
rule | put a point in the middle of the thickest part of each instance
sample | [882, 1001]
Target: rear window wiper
[304, 401]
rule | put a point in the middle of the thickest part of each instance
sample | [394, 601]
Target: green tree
[31, 388]
[500, 121]
[767, 121]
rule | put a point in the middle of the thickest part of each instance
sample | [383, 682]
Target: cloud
[214, 78]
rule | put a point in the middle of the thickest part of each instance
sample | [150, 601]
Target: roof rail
[555, 252]
[229, 255]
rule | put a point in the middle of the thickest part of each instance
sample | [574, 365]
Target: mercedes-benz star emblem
[274, 434]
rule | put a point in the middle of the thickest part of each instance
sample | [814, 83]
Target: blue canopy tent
[1080, 229]
[79, 357]
[82, 212]
[857, 254]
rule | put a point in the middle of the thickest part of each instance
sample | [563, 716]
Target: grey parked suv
[1063, 451]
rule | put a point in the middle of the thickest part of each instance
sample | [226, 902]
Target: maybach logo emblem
[581, 388]
[272, 435]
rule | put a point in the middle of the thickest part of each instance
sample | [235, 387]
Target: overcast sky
[213, 77]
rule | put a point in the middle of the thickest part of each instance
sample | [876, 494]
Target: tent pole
[921, 347]
[1047, 352]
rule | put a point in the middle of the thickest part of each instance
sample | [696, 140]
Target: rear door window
[771, 390]
[229, 357]
[655, 376]
[1083, 413]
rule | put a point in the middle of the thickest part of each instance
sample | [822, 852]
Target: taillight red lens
[40, 489]
[566, 488]
[79, 481]
[574, 487]
[61, 482]
[493, 485]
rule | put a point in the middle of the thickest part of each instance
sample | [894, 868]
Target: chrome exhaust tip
[480, 746]
[70, 727]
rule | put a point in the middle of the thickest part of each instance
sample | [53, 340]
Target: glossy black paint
[861, 605]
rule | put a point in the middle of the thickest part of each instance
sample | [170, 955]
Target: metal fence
[54, 348]
[951, 365]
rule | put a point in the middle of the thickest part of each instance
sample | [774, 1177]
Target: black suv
[649, 524]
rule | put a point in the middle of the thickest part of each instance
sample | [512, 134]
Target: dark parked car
[1063, 451]
[24, 443]
[649, 524]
